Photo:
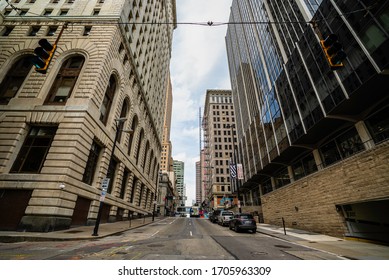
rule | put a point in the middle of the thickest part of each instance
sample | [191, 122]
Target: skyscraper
[219, 134]
[97, 113]
[179, 171]
[305, 130]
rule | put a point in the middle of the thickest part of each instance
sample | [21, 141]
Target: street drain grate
[121, 253]
[155, 245]
[283, 246]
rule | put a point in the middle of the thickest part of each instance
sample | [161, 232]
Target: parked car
[243, 221]
[214, 215]
[224, 217]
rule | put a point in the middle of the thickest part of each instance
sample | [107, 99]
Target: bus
[195, 211]
[183, 211]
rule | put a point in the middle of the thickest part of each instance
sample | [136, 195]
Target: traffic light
[43, 56]
[333, 51]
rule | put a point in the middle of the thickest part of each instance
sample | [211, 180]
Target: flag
[232, 170]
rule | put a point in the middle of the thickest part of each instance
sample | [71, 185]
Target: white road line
[154, 233]
[191, 234]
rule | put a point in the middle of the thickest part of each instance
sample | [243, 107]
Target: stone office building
[102, 93]
[314, 141]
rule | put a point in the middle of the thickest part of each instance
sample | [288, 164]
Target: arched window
[14, 79]
[65, 81]
[123, 114]
[133, 128]
[108, 99]
[139, 148]
[146, 154]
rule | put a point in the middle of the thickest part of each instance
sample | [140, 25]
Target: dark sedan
[243, 221]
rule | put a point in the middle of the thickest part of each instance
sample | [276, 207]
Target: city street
[168, 239]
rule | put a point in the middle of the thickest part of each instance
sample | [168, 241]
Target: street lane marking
[190, 233]
[154, 233]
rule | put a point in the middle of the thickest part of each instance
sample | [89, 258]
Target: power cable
[208, 23]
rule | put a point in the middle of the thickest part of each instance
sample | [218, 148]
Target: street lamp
[118, 121]
[237, 182]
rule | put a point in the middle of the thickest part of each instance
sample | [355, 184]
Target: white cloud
[198, 63]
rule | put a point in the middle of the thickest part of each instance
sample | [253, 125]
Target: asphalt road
[170, 239]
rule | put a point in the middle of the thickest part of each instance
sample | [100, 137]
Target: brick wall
[309, 203]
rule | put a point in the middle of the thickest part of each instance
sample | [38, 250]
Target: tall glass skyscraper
[299, 122]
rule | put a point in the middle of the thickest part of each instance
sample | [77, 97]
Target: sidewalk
[347, 249]
[77, 233]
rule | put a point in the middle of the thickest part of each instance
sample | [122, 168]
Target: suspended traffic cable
[72, 21]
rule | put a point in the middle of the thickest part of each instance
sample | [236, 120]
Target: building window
[7, 12]
[133, 128]
[123, 114]
[96, 12]
[126, 174]
[65, 81]
[133, 190]
[54, 1]
[64, 12]
[34, 30]
[87, 30]
[343, 146]
[34, 150]
[141, 137]
[108, 99]
[91, 164]
[282, 178]
[304, 167]
[47, 12]
[22, 12]
[378, 125]
[14, 79]
[52, 30]
[349, 143]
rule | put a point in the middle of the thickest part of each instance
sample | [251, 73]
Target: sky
[199, 62]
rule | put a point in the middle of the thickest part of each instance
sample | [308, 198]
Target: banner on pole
[240, 171]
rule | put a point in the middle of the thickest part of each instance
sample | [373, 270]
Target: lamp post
[237, 182]
[109, 175]
[155, 196]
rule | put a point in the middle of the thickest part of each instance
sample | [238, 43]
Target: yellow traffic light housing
[333, 51]
[43, 56]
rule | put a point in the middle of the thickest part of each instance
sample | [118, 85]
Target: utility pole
[107, 180]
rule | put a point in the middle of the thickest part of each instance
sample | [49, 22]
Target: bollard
[283, 224]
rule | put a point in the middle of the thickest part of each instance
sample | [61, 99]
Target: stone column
[365, 135]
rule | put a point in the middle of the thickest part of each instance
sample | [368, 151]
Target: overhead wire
[208, 23]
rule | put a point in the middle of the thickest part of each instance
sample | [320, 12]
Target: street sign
[104, 188]
[104, 184]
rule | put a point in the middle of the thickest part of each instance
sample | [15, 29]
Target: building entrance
[368, 220]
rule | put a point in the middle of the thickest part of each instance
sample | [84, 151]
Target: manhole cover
[258, 253]
[155, 245]
[283, 246]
